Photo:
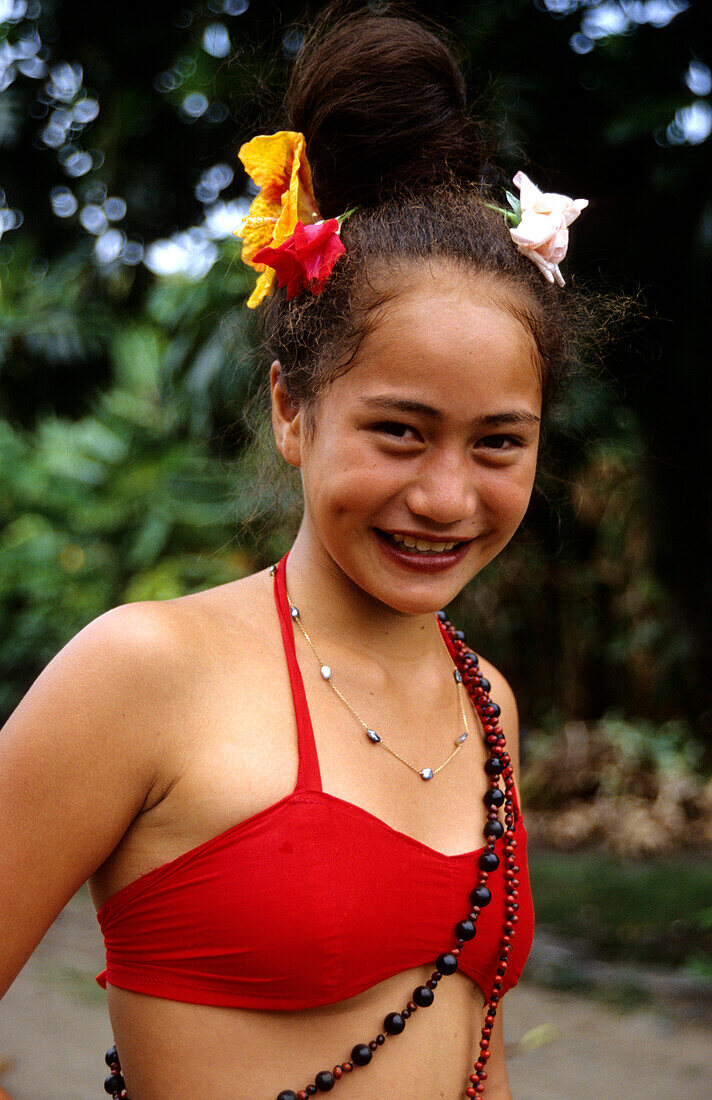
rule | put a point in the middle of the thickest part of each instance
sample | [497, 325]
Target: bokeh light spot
[216, 40]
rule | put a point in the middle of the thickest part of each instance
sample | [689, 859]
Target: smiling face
[422, 457]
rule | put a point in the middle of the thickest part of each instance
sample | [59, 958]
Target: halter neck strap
[309, 775]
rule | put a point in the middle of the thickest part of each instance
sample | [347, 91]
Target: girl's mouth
[419, 546]
[422, 553]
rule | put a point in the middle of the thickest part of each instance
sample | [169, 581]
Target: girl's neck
[339, 612]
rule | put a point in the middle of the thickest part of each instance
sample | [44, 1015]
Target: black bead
[325, 1081]
[287, 1095]
[495, 829]
[481, 896]
[380, 1040]
[484, 683]
[465, 930]
[488, 861]
[446, 963]
[423, 996]
[494, 798]
[361, 1055]
[114, 1083]
[111, 1056]
[460, 635]
[442, 616]
[373, 1045]
[493, 766]
[393, 1023]
[494, 710]
[310, 1090]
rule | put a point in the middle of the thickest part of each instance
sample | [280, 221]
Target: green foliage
[653, 911]
[127, 502]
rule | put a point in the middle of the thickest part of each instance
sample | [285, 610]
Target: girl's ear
[286, 419]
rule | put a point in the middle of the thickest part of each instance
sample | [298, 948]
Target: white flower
[543, 234]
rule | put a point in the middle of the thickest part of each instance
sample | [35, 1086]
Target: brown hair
[381, 102]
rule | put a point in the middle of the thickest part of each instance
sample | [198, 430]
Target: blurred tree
[127, 356]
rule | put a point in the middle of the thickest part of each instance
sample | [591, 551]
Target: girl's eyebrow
[419, 408]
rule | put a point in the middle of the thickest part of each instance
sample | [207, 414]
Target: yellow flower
[278, 165]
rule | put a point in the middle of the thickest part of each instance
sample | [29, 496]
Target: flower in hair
[305, 259]
[542, 232]
[278, 165]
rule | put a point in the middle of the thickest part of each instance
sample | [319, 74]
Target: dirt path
[54, 1030]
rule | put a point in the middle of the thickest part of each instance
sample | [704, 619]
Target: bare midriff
[169, 1048]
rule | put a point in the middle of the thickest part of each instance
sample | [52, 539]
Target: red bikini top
[305, 903]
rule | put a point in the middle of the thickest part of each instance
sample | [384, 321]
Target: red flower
[305, 259]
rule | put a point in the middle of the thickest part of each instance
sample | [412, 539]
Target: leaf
[516, 206]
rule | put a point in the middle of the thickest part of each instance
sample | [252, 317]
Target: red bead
[489, 1020]
[347, 1066]
[484, 1055]
[337, 1072]
[455, 951]
[470, 1092]
[484, 1043]
[479, 1089]
[486, 1032]
[412, 1006]
[301, 1095]
[479, 1065]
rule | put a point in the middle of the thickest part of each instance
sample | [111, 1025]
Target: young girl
[294, 795]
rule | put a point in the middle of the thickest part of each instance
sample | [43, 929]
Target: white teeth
[421, 545]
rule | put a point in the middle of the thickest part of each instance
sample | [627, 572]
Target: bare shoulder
[503, 696]
[84, 752]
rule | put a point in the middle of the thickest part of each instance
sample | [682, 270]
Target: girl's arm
[77, 764]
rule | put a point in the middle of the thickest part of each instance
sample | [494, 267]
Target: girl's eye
[500, 442]
[394, 428]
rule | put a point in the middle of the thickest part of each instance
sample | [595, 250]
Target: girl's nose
[444, 490]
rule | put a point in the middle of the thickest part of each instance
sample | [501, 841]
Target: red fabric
[305, 903]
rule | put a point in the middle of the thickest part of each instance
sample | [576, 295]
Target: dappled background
[130, 368]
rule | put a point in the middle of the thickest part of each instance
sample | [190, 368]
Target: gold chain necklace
[375, 738]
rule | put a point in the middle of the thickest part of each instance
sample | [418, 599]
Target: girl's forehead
[458, 340]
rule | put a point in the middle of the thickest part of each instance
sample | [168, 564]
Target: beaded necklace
[498, 765]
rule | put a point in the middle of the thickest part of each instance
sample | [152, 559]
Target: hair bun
[381, 102]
